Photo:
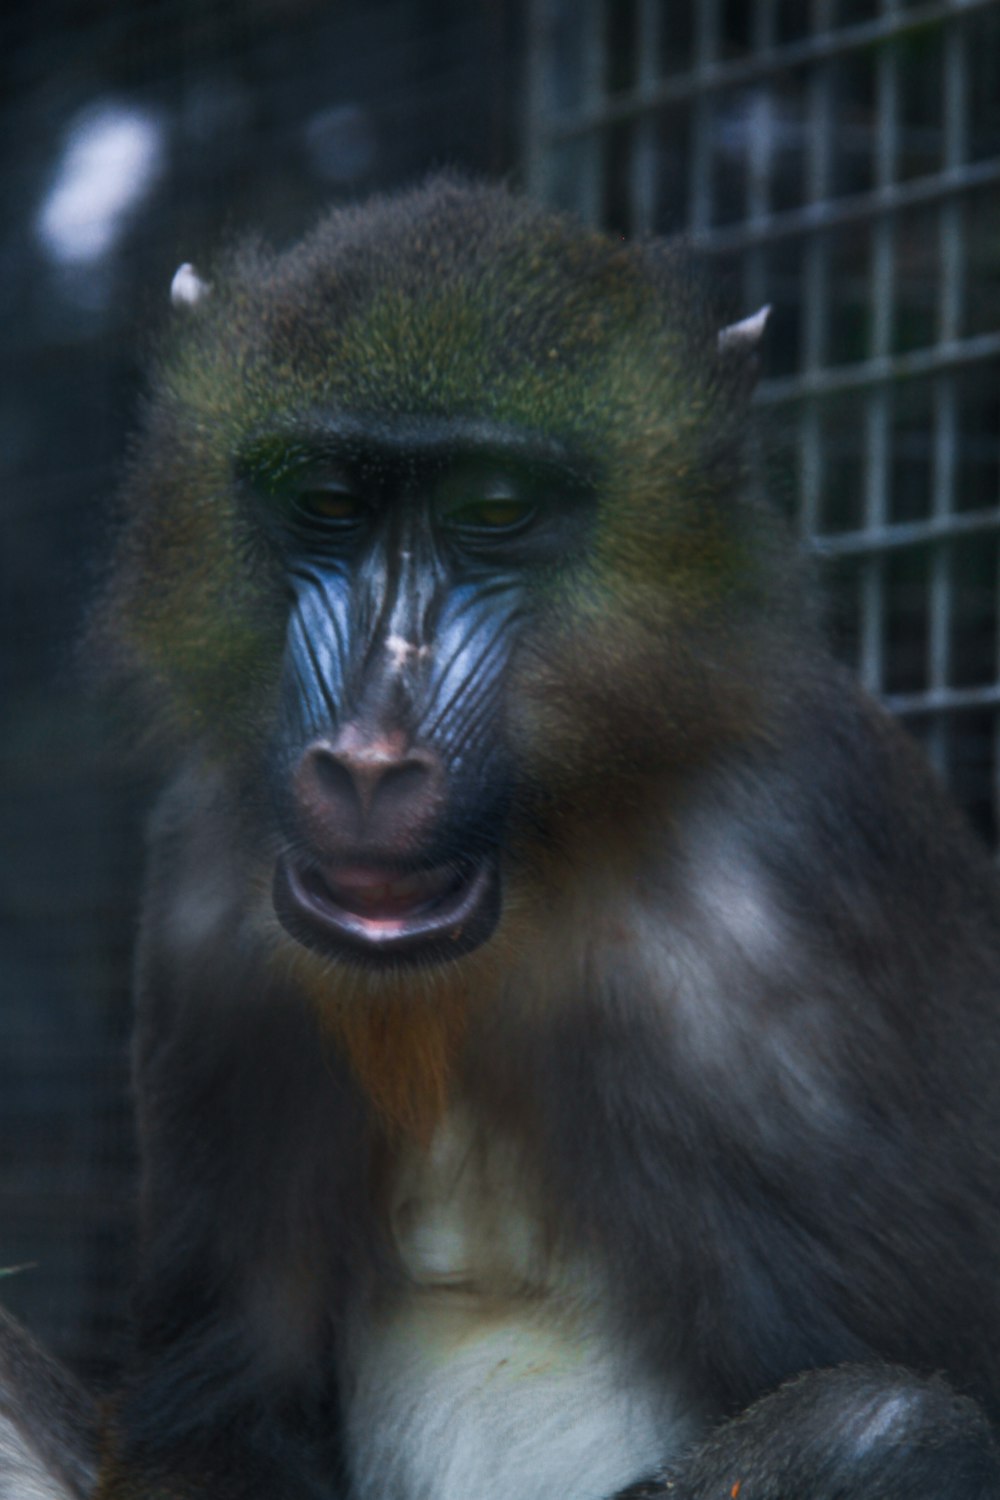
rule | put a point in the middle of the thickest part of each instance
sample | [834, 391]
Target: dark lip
[457, 915]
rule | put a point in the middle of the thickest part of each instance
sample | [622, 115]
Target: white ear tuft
[187, 288]
[744, 336]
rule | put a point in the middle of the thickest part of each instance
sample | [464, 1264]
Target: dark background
[239, 115]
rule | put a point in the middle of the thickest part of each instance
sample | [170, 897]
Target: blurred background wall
[837, 158]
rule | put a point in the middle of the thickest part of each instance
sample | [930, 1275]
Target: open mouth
[375, 913]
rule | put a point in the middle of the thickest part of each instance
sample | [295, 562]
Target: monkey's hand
[858, 1432]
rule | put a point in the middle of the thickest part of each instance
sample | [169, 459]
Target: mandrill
[568, 1026]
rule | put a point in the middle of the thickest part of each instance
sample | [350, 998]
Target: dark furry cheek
[224, 698]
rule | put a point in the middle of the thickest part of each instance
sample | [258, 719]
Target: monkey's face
[413, 554]
[435, 545]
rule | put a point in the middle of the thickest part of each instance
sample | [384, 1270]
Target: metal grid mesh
[841, 159]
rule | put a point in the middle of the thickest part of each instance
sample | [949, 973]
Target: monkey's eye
[492, 515]
[330, 498]
[483, 508]
[331, 504]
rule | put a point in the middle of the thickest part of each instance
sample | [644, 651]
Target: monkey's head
[436, 544]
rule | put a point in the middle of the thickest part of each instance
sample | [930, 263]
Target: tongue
[379, 894]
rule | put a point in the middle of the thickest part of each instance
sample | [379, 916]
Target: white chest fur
[493, 1373]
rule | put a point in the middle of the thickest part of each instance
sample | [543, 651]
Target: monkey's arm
[856, 1431]
[246, 1140]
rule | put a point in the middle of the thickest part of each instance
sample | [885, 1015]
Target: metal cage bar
[844, 161]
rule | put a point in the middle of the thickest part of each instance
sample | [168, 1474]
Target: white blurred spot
[187, 288]
[112, 157]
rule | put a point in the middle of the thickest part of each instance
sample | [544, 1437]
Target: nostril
[400, 782]
[332, 778]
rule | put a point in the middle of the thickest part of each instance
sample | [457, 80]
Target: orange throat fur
[403, 1051]
[402, 1033]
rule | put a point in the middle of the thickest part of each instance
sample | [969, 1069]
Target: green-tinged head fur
[447, 301]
